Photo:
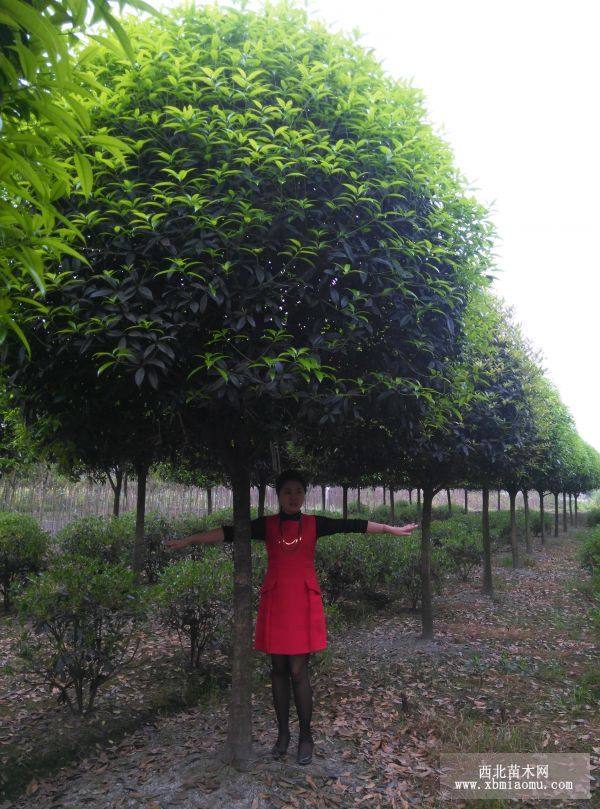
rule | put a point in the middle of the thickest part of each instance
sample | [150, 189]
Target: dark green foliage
[590, 553]
[359, 565]
[459, 537]
[404, 578]
[354, 510]
[592, 516]
[83, 618]
[535, 523]
[108, 540]
[23, 549]
[193, 597]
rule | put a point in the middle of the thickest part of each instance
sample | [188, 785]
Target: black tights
[294, 667]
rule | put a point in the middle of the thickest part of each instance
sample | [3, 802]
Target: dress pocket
[313, 584]
[268, 585]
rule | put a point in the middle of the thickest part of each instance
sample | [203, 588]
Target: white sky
[513, 87]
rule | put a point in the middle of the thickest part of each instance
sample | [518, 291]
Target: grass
[476, 734]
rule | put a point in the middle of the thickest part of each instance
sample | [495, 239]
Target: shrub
[360, 511]
[109, 540]
[404, 575]
[85, 617]
[535, 523]
[460, 544]
[590, 553]
[194, 597]
[23, 549]
[592, 516]
[403, 513]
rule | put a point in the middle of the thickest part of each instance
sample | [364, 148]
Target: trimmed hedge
[24, 549]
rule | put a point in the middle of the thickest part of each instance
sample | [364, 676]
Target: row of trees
[284, 259]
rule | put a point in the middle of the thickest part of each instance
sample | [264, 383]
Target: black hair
[290, 474]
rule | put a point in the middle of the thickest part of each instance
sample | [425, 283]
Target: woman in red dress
[291, 621]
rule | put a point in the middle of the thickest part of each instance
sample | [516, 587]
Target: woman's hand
[176, 543]
[402, 530]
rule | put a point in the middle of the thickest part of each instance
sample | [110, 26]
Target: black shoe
[280, 747]
[305, 758]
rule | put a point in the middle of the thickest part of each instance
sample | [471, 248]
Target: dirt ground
[506, 674]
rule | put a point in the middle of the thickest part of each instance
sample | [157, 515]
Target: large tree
[289, 243]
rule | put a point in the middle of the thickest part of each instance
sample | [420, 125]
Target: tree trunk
[345, 502]
[239, 731]
[392, 505]
[556, 522]
[262, 491]
[419, 502]
[139, 549]
[358, 498]
[384, 501]
[209, 500]
[499, 490]
[117, 491]
[570, 509]
[125, 480]
[410, 496]
[512, 494]
[542, 523]
[575, 496]
[426, 605]
[487, 587]
[449, 501]
[466, 501]
[527, 531]
[565, 525]
[116, 487]
[323, 498]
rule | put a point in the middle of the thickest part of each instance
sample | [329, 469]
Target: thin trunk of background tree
[425, 564]
[565, 524]
[512, 494]
[410, 496]
[499, 490]
[392, 504]
[570, 509]
[556, 521]
[139, 548]
[527, 531]
[419, 511]
[345, 502]
[358, 497]
[117, 490]
[322, 498]
[262, 491]
[575, 496]
[487, 586]
[542, 516]
[449, 498]
[209, 500]
[466, 501]
[384, 501]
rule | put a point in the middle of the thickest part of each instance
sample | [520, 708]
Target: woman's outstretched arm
[223, 533]
[214, 535]
[326, 526]
[397, 530]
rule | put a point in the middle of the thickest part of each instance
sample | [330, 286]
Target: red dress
[291, 619]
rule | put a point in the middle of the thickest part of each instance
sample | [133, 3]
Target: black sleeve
[328, 525]
[257, 530]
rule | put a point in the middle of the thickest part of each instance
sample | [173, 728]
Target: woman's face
[291, 496]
